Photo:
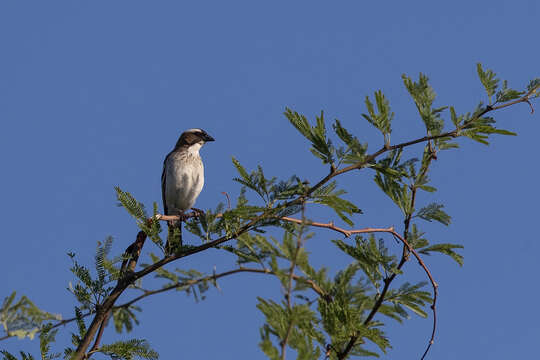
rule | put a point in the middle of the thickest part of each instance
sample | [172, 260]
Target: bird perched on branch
[183, 178]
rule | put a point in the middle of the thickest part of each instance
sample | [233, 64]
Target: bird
[183, 178]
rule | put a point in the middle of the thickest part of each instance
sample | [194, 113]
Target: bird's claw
[198, 212]
[183, 217]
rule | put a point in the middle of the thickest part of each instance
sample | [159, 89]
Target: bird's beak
[207, 138]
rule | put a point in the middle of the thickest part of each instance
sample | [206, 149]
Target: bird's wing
[163, 184]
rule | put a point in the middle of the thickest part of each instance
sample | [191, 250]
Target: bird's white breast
[184, 180]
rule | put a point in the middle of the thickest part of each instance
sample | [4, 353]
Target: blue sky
[95, 94]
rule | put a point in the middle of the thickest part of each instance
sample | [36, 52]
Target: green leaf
[46, 337]
[479, 128]
[80, 322]
[241, 170]
[432, 212]
[355, 151]
[321, 145]
[424, 96]
[22, 318]
[533, 87]
[134, 208]
[255, 180]
[382, 118]
[506, 94]
[411, 297]
[447, 249]
[372, 257]
[124, 318]
[488, 79]
[266, 344]
[329, 196]
[456, 120]
[7, 355]
[128, 350]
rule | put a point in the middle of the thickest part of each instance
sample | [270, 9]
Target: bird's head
[193, 138]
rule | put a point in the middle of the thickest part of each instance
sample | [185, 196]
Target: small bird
[183, 176]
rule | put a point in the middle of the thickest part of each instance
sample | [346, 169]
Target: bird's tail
[174, 237]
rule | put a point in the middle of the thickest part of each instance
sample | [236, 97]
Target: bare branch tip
[228, 199]
[530, 105]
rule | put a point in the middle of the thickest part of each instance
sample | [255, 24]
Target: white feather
[184, 179]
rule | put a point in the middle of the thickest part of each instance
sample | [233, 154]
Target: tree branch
[124, 283]
[102, 311]
[148, 293]
[95, 347]
[311, 283]
[387, 282]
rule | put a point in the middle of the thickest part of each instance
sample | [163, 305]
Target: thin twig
[331, 226]
[228, 199]
[311, 283]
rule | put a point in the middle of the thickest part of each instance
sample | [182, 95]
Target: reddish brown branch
[380, 299]
[331, 226]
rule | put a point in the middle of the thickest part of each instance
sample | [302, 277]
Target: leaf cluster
[424, 96]
[89, 290]
[150, 226]
[128, 350]
[382, 117]
[22, 318]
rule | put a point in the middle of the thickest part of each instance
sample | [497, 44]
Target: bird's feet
[182, 217]
[197, 212]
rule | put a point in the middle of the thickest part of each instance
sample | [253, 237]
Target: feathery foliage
[128, 350]
[382, 118]
[321, 144]
[339, 316]
[22, 318]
